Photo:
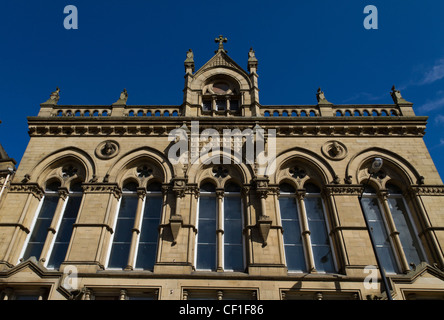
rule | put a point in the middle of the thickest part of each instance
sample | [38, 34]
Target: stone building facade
[104, 205]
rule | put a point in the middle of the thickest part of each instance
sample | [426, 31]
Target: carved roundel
[334, 150]
[107, 149]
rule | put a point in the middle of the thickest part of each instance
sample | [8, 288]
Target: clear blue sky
[141, 46]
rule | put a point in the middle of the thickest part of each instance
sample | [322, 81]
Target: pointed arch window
[390, 221]
[64, 233]
[219, 238]
[125, 223]
[46, 214]
[135, 239]
[407, 234]
[51, 234]
[306, 240]
[148, 239]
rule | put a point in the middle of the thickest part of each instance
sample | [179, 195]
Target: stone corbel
[264, 225]
[176, 223]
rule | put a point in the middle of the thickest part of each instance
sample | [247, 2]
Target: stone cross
[221, 41]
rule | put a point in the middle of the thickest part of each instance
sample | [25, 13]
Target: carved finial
[54, 98]
[221, 41]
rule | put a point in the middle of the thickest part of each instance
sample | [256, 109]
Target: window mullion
[58, 214]
[305, 232]
[220, 231]
[141, 195]
[394, 233]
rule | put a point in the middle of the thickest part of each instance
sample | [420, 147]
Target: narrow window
[124, 226]
[64, 232]
[374, 216]
[147, 248]
[206, 236]
[43, 222]
[322, 255]
[233, 244]
[294, 250]
[404, 226]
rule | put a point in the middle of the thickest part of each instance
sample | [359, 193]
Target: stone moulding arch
[325, 171]
[202, 78]
[117, 170]
[40, 171]
[196, 169]
[393, 159]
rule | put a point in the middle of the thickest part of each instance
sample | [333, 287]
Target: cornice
[284, 126]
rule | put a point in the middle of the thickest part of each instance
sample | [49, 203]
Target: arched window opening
[46, 214]
[64, 233]
[135, 240]
[123, 230]
[306, 238]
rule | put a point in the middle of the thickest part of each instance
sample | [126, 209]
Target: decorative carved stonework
[176, 223]
[264, 225]
[33, 188]
[343, 189]
[107, 149]
[334, 150]
[425, 190]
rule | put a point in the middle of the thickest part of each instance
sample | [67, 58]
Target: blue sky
[141, 46]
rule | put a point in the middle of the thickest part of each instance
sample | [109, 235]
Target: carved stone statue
[320, 96]
[54, 98]
[109, 148]
[396, 96]
[189, 62]
[123, 97]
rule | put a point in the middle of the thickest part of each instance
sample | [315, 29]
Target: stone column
[219, 230]
[58, 214]
[394, 233]
[305, 232]
[141, 193]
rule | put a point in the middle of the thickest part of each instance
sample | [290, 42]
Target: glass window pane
[207, 207]
[288, 208]
[64, 232]
[207, 231]
[123, 232]
[233, 257]
[119, 255]
[323, 258]
[40, 230]
[314, 208]
[234, 105]
[58, 255]
[294, 255]
[128, 206]
[206, 105]
[292, 232]
[206, 234]
[206, 256]
[221, 105]
[232, 208]
[146, 255]
[407, 235]
[380, 236]
[233, 247]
